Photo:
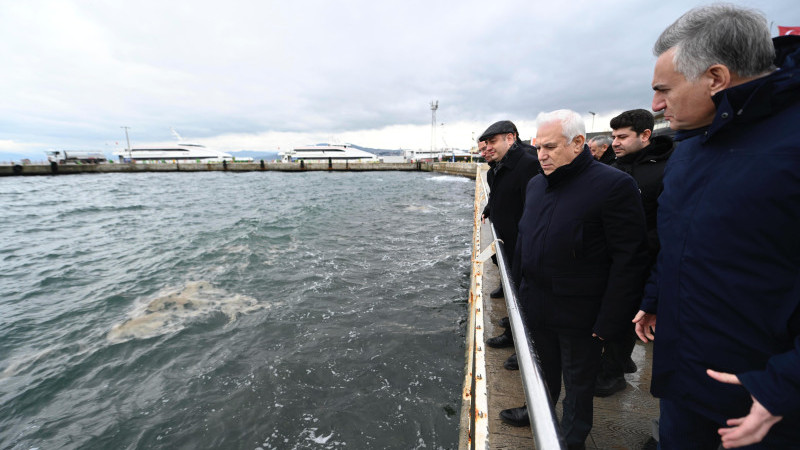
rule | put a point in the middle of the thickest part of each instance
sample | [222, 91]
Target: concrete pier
[621, 421]
[457, 168]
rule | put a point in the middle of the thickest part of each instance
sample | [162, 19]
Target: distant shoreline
[455, 168]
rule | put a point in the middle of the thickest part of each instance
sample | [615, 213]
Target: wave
[83, 210]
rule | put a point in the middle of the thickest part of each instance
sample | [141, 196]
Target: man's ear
[719, 77]
[579, 140]
[646, 134]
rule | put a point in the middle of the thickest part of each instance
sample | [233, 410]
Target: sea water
[218, 310]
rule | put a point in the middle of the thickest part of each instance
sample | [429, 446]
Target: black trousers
[616, 352]
[577, 358]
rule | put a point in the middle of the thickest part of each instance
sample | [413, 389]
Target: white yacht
[447, 154]
[176, 153]
[324, 152]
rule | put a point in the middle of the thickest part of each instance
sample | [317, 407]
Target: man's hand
[749, 429]
[645, 326]
[483, 218]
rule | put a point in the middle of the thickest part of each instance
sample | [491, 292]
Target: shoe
[609, 386]
[504, 322]
[516, 417]
[630, 366]
[497, 293]
[511, 363]
[502, 341]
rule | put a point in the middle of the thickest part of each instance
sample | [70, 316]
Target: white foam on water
[443, 178]
[310, 434]
[419, 208]
[323, 439]
[171, 310]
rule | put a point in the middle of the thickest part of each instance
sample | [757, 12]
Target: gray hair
[602, 140]
[735, 37]
[571, 122]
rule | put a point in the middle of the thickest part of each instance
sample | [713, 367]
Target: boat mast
[130, 158]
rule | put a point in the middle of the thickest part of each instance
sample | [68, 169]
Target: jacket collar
[568, 171]
[659, 148]
[763, 96]
[511, 158]
[682, 135]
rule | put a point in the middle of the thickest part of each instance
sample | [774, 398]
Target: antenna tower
[434, 107]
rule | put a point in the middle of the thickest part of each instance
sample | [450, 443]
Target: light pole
[590, 112]
[472, 142]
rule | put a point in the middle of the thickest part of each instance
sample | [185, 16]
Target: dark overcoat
[647, 167]
[507, 193]
[581, 249]
[726, 288]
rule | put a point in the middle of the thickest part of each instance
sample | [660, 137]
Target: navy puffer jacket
[726, 288]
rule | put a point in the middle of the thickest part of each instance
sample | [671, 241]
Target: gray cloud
[75, 71]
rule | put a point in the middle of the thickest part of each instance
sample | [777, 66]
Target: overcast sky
[264, 75]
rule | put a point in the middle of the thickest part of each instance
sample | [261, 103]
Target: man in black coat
[578, 263]
[511, 166]
[643, 156]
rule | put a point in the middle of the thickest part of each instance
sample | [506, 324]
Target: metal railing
[544, 426]
[474, 426]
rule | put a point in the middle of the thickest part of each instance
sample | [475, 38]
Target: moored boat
[320, 152]
[176, 153]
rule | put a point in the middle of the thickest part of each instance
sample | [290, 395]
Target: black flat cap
[501, 127]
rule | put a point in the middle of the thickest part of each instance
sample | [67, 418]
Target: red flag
[785, 31]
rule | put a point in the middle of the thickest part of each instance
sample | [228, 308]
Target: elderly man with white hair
[580, 263]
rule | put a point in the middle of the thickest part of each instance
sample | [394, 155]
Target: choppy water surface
[216, 310]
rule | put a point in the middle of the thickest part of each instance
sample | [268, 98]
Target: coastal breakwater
[450, 168]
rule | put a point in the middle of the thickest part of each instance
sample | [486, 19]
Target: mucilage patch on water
[171, 310]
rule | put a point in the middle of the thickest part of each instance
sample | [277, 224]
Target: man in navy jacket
[579, 260]
[726, 287]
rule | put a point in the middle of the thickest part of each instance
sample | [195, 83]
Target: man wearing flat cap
[514, 166]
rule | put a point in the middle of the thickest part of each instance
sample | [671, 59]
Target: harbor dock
[451, 168]
[621, 421]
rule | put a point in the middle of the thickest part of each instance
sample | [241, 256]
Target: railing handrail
[544, 426]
